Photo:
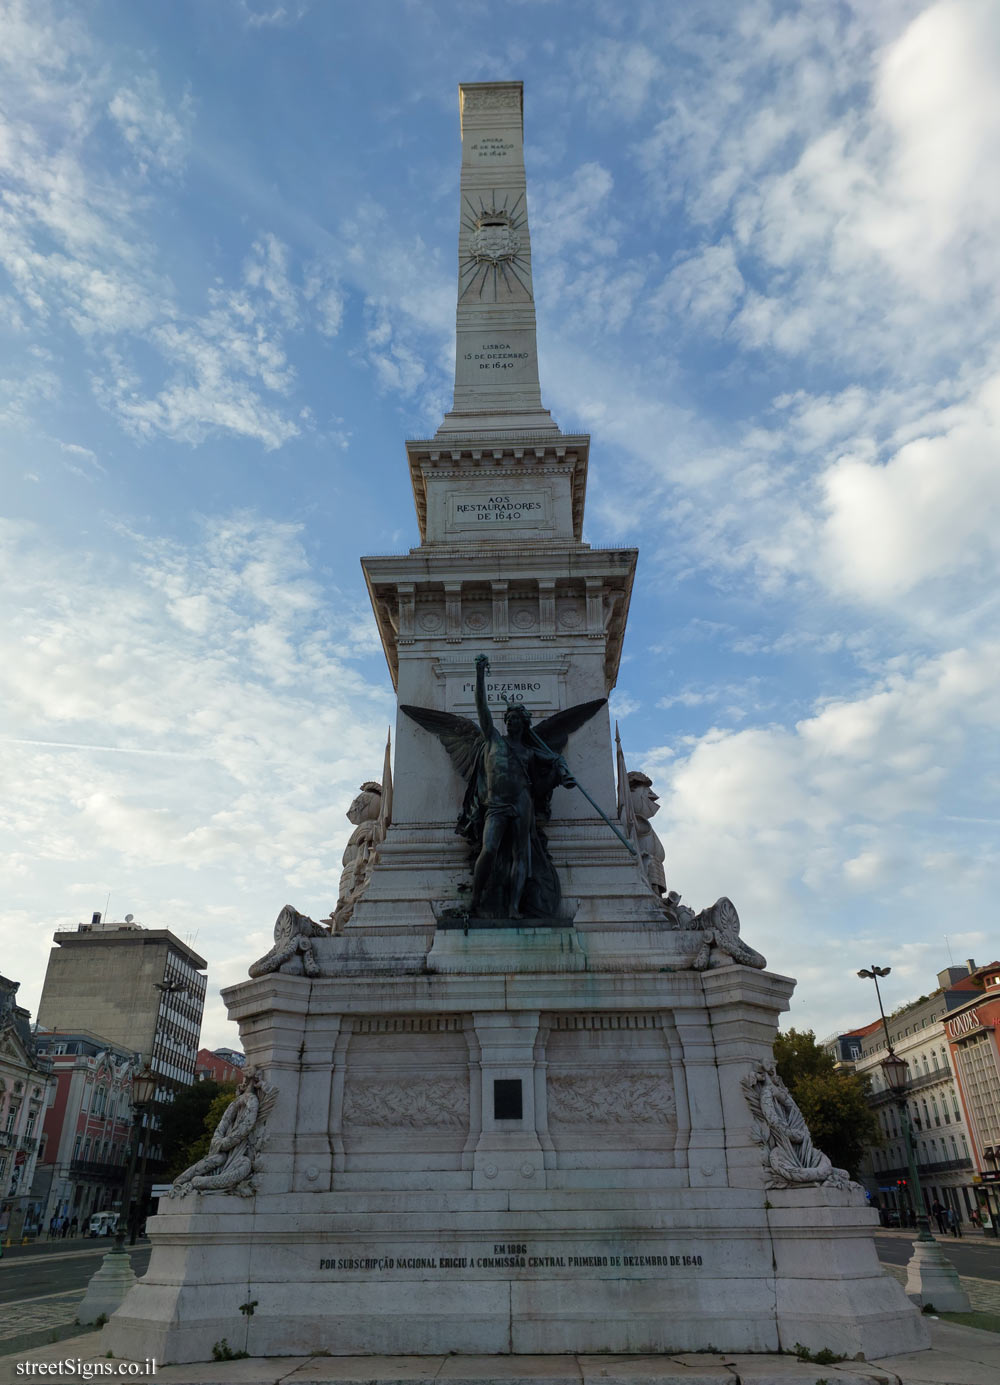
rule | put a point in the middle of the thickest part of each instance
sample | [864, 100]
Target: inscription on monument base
[513, 1256]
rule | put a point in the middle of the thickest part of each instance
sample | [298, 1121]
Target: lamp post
[143, 1090]
[108, 1287]
[930, 1275]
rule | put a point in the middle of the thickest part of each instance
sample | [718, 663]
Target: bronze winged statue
[510, 777]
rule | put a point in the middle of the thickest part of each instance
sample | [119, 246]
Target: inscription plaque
[499, 509]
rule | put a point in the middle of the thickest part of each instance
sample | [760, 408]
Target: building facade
[972, 1030]
[943, 1145]
[25, 1091]
[218, 1065]
[88, 1129]
[140, 989]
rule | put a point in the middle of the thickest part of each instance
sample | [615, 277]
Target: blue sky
[764, 243]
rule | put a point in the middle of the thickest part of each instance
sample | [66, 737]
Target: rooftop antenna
[951, 960]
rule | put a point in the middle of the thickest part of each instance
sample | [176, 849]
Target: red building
[85, 1138]
[973, 1032]
[217, 1067]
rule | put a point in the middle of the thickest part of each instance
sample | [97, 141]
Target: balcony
[927, 1079]
[7, 1138]
[28, 1143]
[914, 1084]
[942, 1166]
[104, 1173]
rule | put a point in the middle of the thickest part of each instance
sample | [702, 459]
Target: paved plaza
[958, 1356]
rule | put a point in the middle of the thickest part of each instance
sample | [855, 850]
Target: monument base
[560, 1159]
[415, 1273]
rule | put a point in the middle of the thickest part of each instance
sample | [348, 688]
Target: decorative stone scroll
[440, 1103]
[792, 1160]
[293, 935]
[721, 928]
[230, 1163]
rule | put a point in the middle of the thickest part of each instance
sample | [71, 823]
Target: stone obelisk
[552, 1130]
[496, 357]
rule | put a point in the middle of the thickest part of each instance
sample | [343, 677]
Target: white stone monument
[530, 1109]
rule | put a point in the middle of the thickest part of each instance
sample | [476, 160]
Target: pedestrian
[53, 1224]
[975, 1220]
[954, 1225]
[939, 1215]
[73, 1227]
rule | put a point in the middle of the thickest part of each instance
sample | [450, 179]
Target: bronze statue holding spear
[510, 777]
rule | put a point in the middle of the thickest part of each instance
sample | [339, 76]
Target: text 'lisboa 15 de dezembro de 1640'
[514, 1096]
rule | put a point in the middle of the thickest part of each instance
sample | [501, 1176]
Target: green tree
[182, 1124]
[198, 1148]
[834, 1104]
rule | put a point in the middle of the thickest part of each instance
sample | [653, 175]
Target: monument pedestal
[542, 1156]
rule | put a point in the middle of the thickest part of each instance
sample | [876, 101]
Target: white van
[103, 1224]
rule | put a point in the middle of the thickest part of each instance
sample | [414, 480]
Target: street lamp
[930, 1274]
[144, 1086]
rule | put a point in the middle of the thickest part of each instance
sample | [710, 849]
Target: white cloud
[705, 286]
[782, 806]
[620, 75]
[180, 722]
[157, 135]
[78, 242]
[932, 512]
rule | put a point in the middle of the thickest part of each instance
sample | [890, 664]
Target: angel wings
[510, 779]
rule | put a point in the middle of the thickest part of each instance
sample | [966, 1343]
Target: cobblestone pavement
[37, 1314]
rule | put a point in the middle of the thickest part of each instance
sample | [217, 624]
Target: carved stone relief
[508, 99]
[620, 1096]
[440, 1103]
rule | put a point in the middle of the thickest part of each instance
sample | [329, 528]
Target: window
[76, 1147]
